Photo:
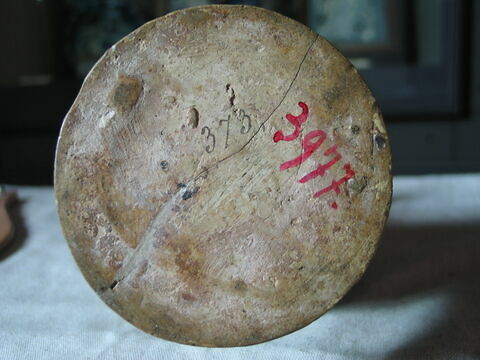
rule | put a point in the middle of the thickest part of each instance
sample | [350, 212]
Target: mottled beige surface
[208, 242]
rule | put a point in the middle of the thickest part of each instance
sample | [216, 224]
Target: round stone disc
[223, 176]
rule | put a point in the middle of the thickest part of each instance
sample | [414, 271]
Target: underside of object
[223, 177]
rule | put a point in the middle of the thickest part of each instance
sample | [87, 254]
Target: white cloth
[420, 297]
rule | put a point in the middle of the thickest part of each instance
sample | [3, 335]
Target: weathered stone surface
[171, 189]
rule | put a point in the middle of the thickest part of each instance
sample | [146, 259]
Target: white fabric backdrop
[420, 297]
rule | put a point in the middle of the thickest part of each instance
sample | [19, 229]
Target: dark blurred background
[421, 59]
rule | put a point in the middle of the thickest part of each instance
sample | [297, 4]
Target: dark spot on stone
[188, 194]
[355, 129]
[231, 94]
[380, 142]
[239, 285]
[188, 297]
[164, 165]
[125, 93]
[181, 185]
[244, 311]
[301, 268]
[113, 284]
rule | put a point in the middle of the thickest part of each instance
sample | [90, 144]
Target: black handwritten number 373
[245, 120]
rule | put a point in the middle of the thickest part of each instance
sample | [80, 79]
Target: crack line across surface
[271, 113]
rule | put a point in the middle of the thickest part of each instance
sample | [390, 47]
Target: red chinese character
[322, 168]
[310, 143]
[308, 147]
[335, 186]
[296, 121]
